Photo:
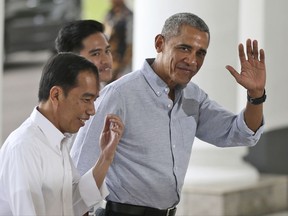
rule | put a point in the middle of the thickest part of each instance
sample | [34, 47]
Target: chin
[105, 76]
[185, 81]
[72, 131]
[182, 82]
[106, 80]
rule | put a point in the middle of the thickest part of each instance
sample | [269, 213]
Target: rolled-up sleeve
[87, 194]
[242, 126]
[89, 190]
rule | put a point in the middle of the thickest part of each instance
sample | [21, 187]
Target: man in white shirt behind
[37, 176]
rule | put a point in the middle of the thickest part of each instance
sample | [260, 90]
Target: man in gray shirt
[163, 112]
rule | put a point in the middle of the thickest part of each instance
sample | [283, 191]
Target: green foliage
[95, 9]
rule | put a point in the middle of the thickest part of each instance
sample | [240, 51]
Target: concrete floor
[284, 213]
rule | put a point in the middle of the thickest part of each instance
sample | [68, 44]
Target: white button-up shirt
[37, 176]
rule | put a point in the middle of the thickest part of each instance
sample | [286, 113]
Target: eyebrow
[94, 50]
[190, 47]
[203, 50]
[90, 95]
[99, 49]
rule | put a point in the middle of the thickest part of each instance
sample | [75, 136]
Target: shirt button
[158, 93]
[174, 146]
[169, 105]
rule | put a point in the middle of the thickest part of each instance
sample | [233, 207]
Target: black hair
[71, 35]
[63, 70]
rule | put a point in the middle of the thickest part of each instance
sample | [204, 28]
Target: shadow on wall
[270, 155]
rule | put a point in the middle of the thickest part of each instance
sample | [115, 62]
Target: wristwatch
[257, 101]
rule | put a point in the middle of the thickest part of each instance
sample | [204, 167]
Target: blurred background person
[118, 27]
[86, 38]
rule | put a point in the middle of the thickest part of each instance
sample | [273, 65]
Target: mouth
[82, 120]
[106, 69]
[184, 68]
[187, 70]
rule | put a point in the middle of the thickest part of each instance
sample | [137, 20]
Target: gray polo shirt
[152, 157]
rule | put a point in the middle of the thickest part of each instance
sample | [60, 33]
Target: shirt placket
[67, 180]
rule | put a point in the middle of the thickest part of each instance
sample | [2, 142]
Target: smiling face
[77, 106]
[180, 57]
[97, 50]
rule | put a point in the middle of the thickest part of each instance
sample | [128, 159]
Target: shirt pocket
[187, 131]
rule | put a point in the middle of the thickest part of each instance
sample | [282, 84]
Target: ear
[159, 43]
[55, 94]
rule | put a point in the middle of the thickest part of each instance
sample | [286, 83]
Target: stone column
[209, 164]
[276, 47]
[1, 64]
[270, 155]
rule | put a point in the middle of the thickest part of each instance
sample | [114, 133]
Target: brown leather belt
[128, 209]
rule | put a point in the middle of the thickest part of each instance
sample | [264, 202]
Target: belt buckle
[168, 211]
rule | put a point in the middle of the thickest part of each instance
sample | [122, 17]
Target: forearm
[100, 170]
[253, 114]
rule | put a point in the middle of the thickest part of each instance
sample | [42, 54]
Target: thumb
[233, 72]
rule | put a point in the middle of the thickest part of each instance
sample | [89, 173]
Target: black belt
[137, 210]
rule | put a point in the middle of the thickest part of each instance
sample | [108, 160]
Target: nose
[106, 58]
[191, 59]
[91, 109]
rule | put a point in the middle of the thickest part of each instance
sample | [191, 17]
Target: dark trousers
[128, 211]
[102, 212]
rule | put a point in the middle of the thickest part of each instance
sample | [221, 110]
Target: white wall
[276, 46]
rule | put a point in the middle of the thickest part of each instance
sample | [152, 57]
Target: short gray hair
[173, 24]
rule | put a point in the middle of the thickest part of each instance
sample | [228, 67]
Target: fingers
[262, 56]
[115, 124]
[252, 50]
[249, 50]
[242, 56]
[255, 49]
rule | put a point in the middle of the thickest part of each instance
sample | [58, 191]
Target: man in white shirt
[37, 176]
